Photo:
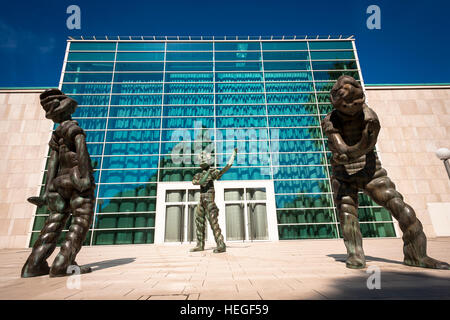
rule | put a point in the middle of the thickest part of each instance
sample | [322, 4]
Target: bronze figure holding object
[69, 189]
[352, 129]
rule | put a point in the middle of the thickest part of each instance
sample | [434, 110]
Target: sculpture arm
[52, 170]
[228, 166]
[81, 176]
[369, 135]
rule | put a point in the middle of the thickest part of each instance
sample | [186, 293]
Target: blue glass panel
[302, 186]
[304, 201]
[83, 112]
[236, 46]
[189, 88]
[117, 190]
[91, 56]
[288, 76]
[179, 135]
[141, 66]
[296, 133]
[332, 55]
[290, 87]
[95, 149]
[238, 76]
[91, 100]
[334, 75]
[135, 111]
[136, 123]
[91, 124]
[249, 110]
[172, 111]
[138, 77]
[246, 159]
[140, 56]
[241, 134]
[239, 98]
[131, 148]
[334, 65]
[310, 172]
[189, 46]
[189, 56]
[136, 135]
[296, 109]
[87, 77]
[93, 46]
[261, 173]
[140, 46]
[130, 162]
[287, 65]
[89, 66]
[238, 66]
[189, 77]
[326, 45]
[188, 122]
[189, 99]
[285, 45]
[138, 88]
[290, 98]
[324, 86]
[301, 158]
[94, 136]
[286, 55]
[292, 121]
[230, 122]
[180, 148]
[189, 66]
[297, 145]
[135, 99]
[240, 87]
[243, 55]
[89, 88]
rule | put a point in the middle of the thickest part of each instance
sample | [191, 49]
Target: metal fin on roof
[210, 38]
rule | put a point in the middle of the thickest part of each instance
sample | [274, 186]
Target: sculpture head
[347, 96]
[205, 160]
[58, 107]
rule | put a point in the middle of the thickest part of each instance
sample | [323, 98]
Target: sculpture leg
[213, 213]
[382, 190]
[36, 264]
[200, 226]
[82, 214]
[346, 200]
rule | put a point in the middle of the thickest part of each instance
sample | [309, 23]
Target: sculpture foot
[221, 248]
[35, 271]
[426, 262]
[356, 261]
[62, 272]
[197, 248]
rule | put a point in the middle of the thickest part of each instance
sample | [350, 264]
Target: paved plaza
[303, 269]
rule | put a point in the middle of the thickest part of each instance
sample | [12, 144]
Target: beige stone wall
[414, 124]
[23, 148]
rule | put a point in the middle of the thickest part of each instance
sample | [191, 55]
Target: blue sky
[412, 46]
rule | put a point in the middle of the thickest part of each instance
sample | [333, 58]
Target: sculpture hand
[79, 182]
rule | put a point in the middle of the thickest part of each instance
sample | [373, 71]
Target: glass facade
[148, 106]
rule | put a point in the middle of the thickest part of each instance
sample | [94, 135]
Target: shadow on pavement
[343, 257]
[96, 266]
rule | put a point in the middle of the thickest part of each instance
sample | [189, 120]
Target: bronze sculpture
[69, 189]
[206, 205]
[352, 129]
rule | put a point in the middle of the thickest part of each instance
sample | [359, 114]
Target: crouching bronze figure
[206, 206]
[69, 190]
[352, 129]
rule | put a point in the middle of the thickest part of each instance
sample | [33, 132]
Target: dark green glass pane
[377, 230]
[89, 66]
[329, 45]
[140, 46]
[305, 216]
[285, 45]
[87, 77]
[140, 56]
[237, 46]
[321, 231]
[302, 186]
[91, 56]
